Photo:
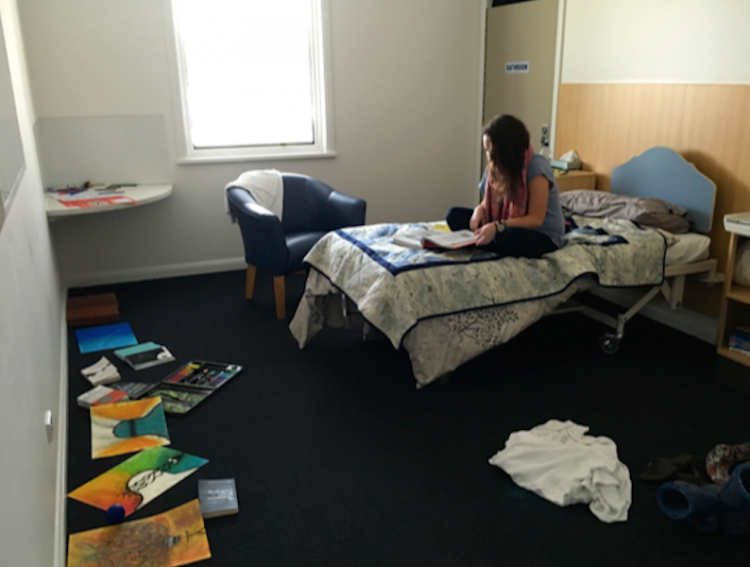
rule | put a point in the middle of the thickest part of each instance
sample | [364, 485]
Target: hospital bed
[445, 308]
[661, 173]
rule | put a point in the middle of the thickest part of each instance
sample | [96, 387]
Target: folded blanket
[654, 213]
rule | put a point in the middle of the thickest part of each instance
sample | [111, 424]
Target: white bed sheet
[690, 247]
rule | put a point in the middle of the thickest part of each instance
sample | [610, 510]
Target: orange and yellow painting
[135, 482]
[177, 537]
[127, 427]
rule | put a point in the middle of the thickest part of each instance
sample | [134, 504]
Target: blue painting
[104, 337]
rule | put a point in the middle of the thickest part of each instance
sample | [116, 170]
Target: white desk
[136, 196]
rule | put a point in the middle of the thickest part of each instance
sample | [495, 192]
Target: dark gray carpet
[339, 460]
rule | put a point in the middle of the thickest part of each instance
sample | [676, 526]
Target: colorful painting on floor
[177, 537]
[137, 481]
[104, 337]
[127, 427]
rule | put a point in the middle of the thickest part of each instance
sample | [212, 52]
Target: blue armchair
[311, 209]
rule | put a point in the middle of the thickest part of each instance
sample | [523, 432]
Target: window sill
[266, 157]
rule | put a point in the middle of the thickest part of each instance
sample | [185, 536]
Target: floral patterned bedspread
[394, 287]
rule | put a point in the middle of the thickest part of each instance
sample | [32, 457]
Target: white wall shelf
[140, 195]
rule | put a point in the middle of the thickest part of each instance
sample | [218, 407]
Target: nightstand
[576, 179]
[735, 303]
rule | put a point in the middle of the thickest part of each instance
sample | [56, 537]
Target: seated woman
[520, 215]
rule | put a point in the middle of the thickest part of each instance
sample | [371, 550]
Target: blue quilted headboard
[661, 173]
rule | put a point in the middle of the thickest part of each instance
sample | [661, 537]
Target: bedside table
[735, 302]
[576, 179]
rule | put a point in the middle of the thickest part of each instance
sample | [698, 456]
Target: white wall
[664, 41]
[30, 349]
[406, 88]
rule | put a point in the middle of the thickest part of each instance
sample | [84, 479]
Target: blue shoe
[698, 506]
[735, 501]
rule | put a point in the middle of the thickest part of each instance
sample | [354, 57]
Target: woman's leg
[458, 218]
[521, 243]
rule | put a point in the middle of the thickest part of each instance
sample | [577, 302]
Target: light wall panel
[708, 124]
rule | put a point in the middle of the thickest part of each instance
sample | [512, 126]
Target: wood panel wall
[709, 125]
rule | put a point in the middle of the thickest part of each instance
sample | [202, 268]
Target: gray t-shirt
[554, 222]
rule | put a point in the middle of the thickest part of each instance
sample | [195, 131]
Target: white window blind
[251, 76]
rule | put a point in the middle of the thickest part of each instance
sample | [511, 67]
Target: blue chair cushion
[311, 209]
[306, 207]
[299, 244]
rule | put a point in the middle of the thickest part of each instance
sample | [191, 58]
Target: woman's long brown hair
[509, 140]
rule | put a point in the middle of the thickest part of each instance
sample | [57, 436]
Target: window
[252, 79]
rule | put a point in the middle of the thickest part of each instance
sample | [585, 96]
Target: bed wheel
[609, 343]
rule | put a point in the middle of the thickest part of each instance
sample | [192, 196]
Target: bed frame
[660, 173]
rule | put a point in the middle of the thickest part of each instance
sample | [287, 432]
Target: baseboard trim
[154, 273]
[691, 322]
[61, 480]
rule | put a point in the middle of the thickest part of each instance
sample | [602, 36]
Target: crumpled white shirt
[559, 462]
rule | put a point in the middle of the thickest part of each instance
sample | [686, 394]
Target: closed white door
[520, 63]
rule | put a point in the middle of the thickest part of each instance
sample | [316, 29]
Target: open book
[431, 238]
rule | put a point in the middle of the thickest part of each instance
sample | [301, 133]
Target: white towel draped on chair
[265, 186]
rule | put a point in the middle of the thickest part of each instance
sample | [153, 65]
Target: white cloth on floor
[559, 462]
[265, 186]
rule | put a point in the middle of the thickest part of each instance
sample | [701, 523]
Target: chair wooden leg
[278, 291]
[249, 281]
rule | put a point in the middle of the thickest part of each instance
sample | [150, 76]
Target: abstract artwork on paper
[127, 427]
[105, 337]
[177, 537]
[137, 481]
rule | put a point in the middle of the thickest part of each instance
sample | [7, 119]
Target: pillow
[644, 211]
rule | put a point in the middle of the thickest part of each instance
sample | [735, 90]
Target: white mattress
[689, 247]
